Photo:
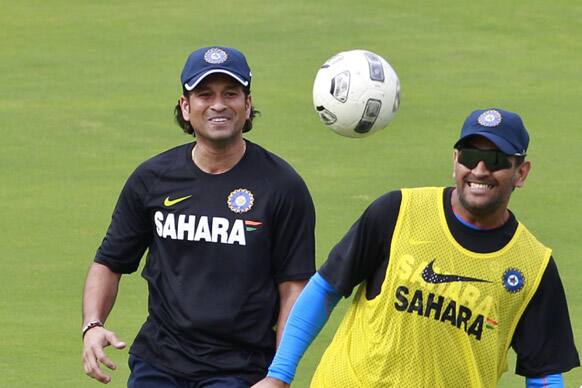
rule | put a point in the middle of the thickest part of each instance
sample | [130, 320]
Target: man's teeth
[218, 119]
[481, 186]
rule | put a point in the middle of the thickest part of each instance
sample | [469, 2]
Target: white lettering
[203, 230]
[184, 226]
[237, 234]
[158, 218]
[219, 228]
[169, 227]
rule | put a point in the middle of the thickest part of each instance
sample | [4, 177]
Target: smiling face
[217, 109]
[482, 195]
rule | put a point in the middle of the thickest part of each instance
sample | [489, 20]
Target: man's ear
[249, 106]
[521, 174]
[455, 156]
[185, 108]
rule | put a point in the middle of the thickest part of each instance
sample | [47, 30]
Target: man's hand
[270, 382]
[95, 340]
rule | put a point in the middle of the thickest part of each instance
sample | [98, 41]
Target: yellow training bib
[445, 316]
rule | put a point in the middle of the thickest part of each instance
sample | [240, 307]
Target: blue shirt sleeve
[550, 381]
[309, 314]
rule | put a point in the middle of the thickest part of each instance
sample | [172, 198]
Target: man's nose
[218, 104]
[480, 169]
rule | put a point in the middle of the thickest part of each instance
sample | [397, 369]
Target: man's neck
[218, 159]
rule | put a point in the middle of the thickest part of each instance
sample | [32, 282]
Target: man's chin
[478, 206]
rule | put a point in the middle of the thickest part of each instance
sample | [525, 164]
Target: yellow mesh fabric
[421, 334]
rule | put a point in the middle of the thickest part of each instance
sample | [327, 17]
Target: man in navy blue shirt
[229, 232]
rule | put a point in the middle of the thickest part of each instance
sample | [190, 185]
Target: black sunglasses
[494, 159]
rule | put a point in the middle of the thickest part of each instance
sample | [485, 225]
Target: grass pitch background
[87, 91]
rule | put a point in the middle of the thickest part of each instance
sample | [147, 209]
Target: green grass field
[87, 91]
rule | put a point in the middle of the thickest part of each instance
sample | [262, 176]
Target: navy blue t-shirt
[218, 246]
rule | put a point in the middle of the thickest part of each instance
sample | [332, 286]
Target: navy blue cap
[215, 59]
[505, 129]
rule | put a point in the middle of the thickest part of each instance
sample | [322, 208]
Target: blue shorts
[144, 375]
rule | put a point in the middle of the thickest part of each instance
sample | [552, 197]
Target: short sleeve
[293, 239]
[543, 339]
[129, 233]
[366, 246]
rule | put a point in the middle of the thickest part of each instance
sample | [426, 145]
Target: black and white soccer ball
[356, 93]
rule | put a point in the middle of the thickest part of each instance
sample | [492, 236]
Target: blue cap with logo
[505, 129]
[215, 59]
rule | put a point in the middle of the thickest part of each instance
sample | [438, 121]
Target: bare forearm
[100, 293]
[288, 294]
[281, 321]
[98, 299]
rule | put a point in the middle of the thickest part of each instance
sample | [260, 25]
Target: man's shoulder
[164, 159]
[264, 153]
[168, 156]
[387, 203]
[393, 199]
[153, 168]
[429, 190]
[272, 164]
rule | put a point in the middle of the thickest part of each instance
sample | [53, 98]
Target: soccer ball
[356, 93]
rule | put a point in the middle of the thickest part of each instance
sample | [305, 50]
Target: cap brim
[196, 80]
[503, 145]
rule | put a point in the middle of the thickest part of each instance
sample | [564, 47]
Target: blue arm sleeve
[308, 315]
[549, 381]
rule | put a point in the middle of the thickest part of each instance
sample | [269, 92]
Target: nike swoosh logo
[171, 202]
[430, 276]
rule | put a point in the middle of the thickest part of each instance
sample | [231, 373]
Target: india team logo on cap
[513, 280]
[490, 118]
[215, 56]
[240, 200]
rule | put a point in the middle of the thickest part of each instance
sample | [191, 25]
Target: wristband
[89, 326]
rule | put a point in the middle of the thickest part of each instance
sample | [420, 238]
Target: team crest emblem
[240, 200]
[215, 56]
[490, 118]
[513, 280]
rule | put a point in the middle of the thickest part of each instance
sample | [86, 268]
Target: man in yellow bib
[448, 281]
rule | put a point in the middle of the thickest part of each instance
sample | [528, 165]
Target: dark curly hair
[187, 128]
